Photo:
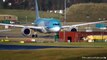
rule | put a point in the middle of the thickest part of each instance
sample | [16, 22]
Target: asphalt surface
[17, 33]
[10, 34]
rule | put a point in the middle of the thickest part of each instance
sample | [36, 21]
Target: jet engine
[73, 29]
[26, 31]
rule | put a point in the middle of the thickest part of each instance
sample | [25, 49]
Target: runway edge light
[22, 42]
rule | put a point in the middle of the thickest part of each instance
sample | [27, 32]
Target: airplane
[46, 25]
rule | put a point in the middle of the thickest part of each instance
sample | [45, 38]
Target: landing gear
[34, 35]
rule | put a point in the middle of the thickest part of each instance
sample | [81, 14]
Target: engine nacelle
[26, 31]
[73, 29]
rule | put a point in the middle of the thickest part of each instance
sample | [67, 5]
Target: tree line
[43, 4]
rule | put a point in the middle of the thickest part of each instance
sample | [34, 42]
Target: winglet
[37, 11]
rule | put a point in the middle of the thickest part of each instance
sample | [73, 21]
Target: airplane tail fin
[37, 11]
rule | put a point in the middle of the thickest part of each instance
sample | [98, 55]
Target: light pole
[64, 17]
[65, 12]
[26, 19]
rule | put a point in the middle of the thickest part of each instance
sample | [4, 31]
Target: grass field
[50, 43]
[29, 13]
[55, 54]
[83, 12]
[87, 12]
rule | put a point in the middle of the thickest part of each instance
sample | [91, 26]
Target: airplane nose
[55, 29]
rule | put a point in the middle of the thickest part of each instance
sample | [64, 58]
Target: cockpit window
[55, 24]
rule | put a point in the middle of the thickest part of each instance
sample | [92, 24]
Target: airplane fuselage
[49, 24]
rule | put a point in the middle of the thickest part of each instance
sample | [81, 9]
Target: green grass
[29, 13]
[49, 43]
[53, 54]
[79, 12]
[76, 13]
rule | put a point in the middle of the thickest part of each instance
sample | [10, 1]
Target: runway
[15, 34]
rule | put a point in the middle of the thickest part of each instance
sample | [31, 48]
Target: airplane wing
[21, 26]
[83, 24]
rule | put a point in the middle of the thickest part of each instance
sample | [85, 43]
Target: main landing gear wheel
[34, 35]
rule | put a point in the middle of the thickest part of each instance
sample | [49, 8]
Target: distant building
[8, 17]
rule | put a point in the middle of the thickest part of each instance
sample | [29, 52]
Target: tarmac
[16, 33]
